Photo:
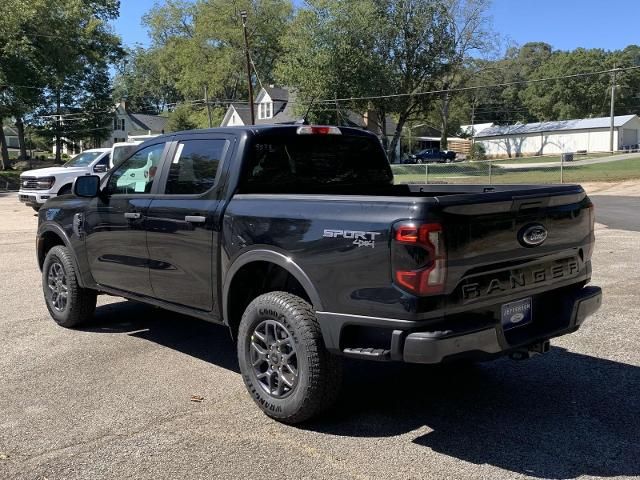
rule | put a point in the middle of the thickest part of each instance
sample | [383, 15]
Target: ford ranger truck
[296, 238]
[38, 186]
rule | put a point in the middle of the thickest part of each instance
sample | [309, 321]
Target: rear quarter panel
[352, 278]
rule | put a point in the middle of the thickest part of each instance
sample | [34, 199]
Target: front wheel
[69, 304]
[36, 208]
[284, 363]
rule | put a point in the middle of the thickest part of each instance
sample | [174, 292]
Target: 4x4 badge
[532, 235]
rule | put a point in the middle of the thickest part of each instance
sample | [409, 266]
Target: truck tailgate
[515, 242]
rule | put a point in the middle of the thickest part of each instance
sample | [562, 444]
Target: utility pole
[206, 100]
[243, 15]
[473, 119]
[613, 103]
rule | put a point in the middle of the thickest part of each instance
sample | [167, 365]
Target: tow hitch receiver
[531, 350]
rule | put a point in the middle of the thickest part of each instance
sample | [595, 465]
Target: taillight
[318, 130]
[419, 258]
[592, 215]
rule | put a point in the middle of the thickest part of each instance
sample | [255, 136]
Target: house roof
[242, 111]
[283, 101]
[475, 129]
[556, 126]
[277, 93]
[10, 131]
[155, 123]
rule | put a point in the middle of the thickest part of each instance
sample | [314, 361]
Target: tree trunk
[4, 156]
[391, 151]
[444, 113]
[23, 144]
[58, 125]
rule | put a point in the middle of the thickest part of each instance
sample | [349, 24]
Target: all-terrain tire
[69, 304]
[319, 373]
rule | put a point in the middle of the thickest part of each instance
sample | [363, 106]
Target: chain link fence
[515, 172]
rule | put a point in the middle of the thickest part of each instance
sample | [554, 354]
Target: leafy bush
[478, 152]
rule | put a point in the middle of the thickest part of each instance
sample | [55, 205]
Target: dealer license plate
[516, 314]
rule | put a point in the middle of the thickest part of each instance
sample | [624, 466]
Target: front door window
[137, 173]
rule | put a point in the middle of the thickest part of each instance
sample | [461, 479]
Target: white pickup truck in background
[38, 186]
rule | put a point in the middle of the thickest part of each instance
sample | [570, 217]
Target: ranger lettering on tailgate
[516, 280]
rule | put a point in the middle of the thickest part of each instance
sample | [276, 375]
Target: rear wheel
[284, 363]
[69, 304]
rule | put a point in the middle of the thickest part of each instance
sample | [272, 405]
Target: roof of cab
[262, 129]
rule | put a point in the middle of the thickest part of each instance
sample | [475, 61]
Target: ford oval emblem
[533, 235]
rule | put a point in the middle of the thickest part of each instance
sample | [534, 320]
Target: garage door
[629, 136]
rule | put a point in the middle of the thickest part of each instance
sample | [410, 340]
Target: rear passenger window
[194, 166]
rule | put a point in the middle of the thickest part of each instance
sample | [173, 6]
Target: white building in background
[473, 130]
[127, 124]
[549, 138]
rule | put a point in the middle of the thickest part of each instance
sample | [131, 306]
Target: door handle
[195, 219]
[132, 215]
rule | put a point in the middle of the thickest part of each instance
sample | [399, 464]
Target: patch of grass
[479, 173]
[550, 159]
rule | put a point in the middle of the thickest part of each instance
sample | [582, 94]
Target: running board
[377, 354]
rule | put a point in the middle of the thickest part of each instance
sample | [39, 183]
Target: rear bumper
[34, 197]
[444, 344]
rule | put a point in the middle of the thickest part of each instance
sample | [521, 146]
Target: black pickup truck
[297, 239]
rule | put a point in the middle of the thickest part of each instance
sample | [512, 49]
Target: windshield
[83, 160]
[121, 152]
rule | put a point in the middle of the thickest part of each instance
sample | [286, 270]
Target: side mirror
[87, 186]
[100, 169]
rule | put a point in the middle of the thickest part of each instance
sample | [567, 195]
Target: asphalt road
[618, 212]
[113, 400]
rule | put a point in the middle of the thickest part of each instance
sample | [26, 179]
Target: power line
[478, 87]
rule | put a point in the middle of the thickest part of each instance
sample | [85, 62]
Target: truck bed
[480, 223]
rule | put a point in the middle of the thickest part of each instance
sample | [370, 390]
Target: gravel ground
[114, 400]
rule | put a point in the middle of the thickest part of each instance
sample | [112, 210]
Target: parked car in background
[38, 186]
[433, 155]
[120, 151]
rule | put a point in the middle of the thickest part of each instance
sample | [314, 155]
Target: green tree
[95, 106]
[369, 48]
[472, 36]
[141, 81]
[21, 79]
[201, 44]
[182, 118]
[80, 41]
[569, 98]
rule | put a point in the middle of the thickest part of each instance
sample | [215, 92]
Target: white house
[126, 124]
[473, 130]
[11, 137]
[547, 138]
[272, 105]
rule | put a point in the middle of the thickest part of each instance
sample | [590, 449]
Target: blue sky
[565, 24]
